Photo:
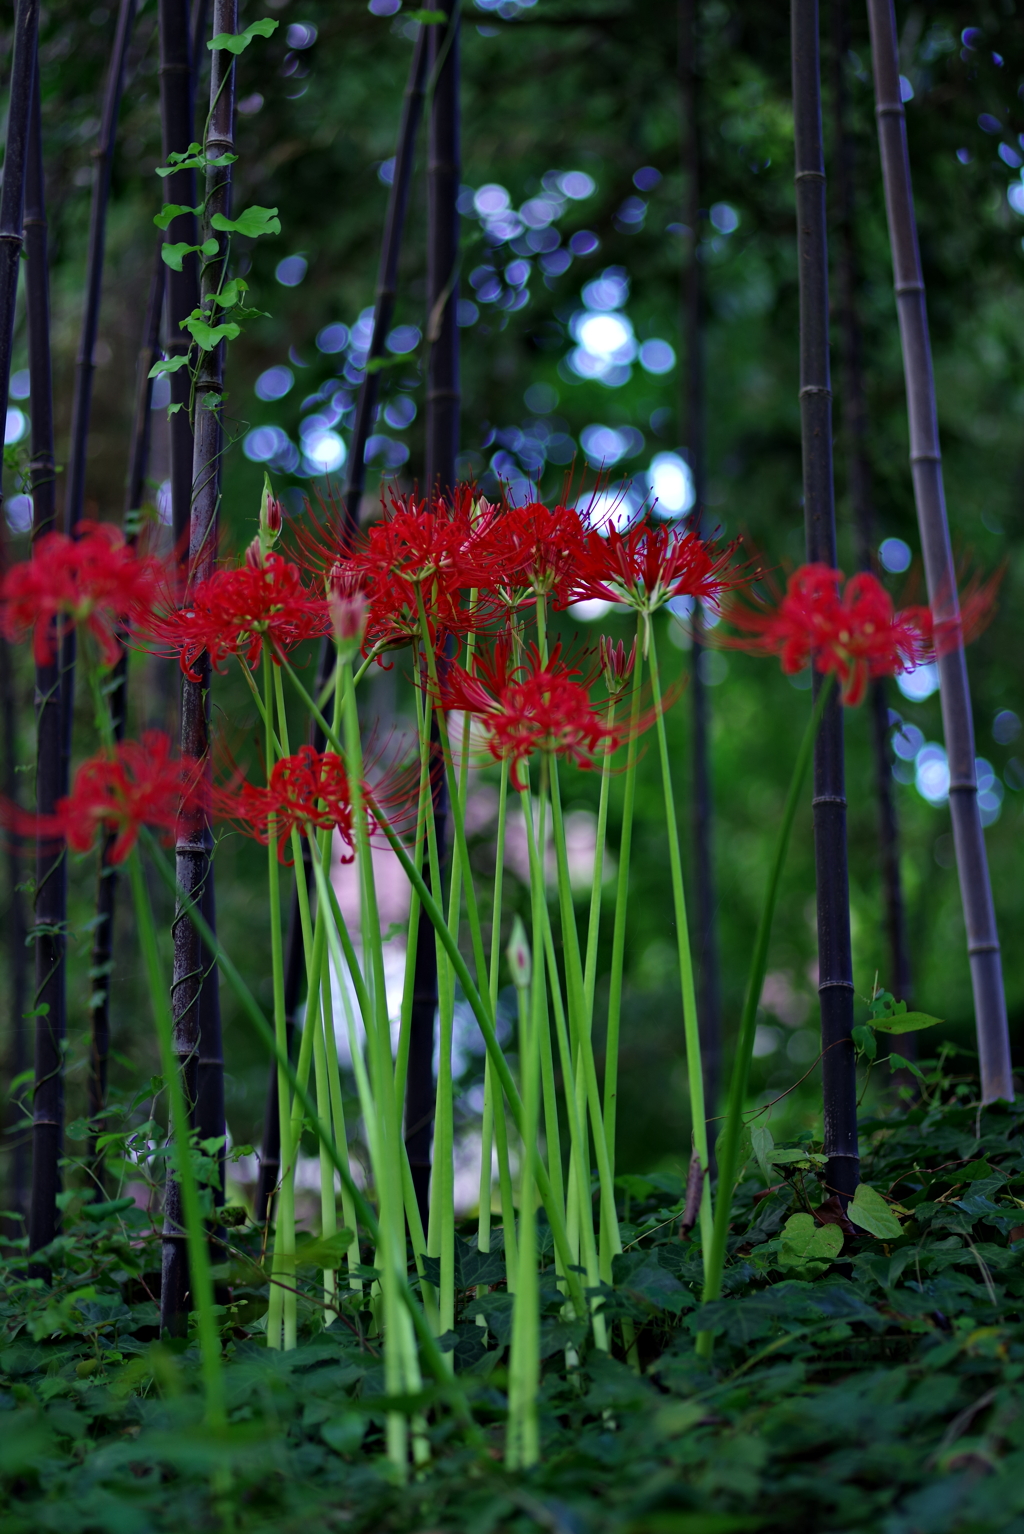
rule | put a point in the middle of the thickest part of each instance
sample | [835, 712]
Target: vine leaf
[167, 365]
[237, 42]
[174, 255]
[170, 210]
[253, 222]
[869, 1210]
[206, 335]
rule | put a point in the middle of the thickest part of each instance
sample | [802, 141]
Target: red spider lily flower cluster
[530, 707]
[236, 611]
[139, 784]
[95, 579]
[309, 788]
[531, 550]
[648, 564]
[855, 633]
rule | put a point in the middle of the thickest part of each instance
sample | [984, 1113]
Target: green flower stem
[494, 1102]
[479, 1007]
[522, 1442]
[690, 1026]
[412, 933]
[587, 1086]
[611, 1058]
[580, 1153]
[449, 1389]
[195, 1229]
[597, 882]
[337, 1102]
[729, 1143]
[282, 1325]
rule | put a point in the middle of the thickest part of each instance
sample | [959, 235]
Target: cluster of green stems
[555, 1010]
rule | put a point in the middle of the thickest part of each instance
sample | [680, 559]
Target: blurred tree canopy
[572, 176]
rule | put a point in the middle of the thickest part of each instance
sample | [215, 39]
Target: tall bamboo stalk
[11, 238]
[16, 1191]
[195, 998]
[442, 434]
[694, 432]
[177, 111]
[387, 275]
[355, 482]
[107, 882]
[930, 498]
[835, 962]
[52, 744]
[855, 431]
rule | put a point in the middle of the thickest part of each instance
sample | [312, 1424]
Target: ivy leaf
[206, 335]
[237, 42]
[174, 255]
[167, 365]
[900, 1063]
[253, 222]
[170, 210]
[800, 1158]
[864, 1039]
[763, 1143]
[326, 1252]
[870, 1211]
[230, 294]
[905, 1022]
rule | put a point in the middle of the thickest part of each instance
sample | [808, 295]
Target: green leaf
[864, 1040]
[763, 1143]
[377, 364]
[808, 1246]
[344, 1434]
[170, 210]
[869, 1210]
[797, 1158]
[173, 255]
[901, 1063]
[905, 1022]
[253, 222]
[427, 18]
[326, 1252]
[107, 1209]
[206, 335]
[231, 294]
[167, 365]
[237, 42]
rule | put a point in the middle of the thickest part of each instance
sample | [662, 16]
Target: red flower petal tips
[96, 579]
[855, 634]
[648, 564]
[309, 788]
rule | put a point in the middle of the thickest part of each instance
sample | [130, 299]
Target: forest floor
[873, 1388]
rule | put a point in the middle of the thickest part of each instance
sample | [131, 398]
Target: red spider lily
[648, 564]
[139, 784]
[309, 788]
[236, 610]
[855, 634]
[530, 707]
[95, 579]
[530, 550]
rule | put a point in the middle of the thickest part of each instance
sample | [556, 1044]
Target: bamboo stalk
[52, 743]
[177, 112]
[930, 499]
[695, 433]
[855, 426]
[387, 277]
[195, 992]
[15, 929]
[835, 961]
[11, 236]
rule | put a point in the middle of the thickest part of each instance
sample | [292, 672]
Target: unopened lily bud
[347, 607]
[254, 554]
[616, 663]
[520, 960]
[271, 515]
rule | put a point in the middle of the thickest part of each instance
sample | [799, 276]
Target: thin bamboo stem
[940, 573]
[835, 962]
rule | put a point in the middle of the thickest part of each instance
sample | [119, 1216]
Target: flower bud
[616, 664]
[347, 607]
[254, 554]
[520, 960]
[271, 515]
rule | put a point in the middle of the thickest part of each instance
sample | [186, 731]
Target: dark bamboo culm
[11, 240]
[442, 444]
[15, 928]
[74, 500]
[694, 433]
[51, 742]
[355, 481]
[195, 992]
[835, 964]
[940, 573]
[106, 887]
[855, 432]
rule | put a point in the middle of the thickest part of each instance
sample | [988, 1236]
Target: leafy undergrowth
[876, 1387]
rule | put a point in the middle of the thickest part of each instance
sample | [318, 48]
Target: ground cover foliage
[859, 1381]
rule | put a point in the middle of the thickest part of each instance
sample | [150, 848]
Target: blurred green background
[591, 87]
